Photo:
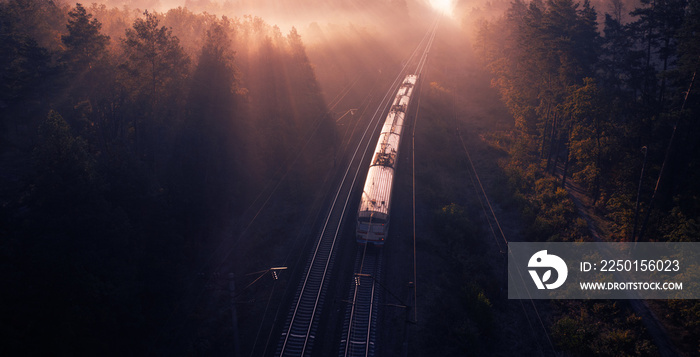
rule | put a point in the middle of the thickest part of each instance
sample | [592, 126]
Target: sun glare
[444, 6]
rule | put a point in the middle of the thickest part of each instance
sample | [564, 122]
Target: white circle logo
[543, 260]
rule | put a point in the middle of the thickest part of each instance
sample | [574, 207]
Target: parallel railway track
[359, 328]
[301, 325]
[366, 295]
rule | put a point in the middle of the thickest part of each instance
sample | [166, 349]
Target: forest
[132, 141]
[129, 139]
[609, 103]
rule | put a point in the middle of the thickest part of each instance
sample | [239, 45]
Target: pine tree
[65, 169]
[586, 146]
[620, 63]
[26, 68]
[210, 139]
[156, 70]
[156, 59]
[84, 43]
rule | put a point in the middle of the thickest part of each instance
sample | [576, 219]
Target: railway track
[302, 322]
[299, 333]
[366, 295]
[359, 327]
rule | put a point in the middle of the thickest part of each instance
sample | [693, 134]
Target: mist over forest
[133, 139]
[137, 137]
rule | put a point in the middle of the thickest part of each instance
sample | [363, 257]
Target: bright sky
[444, 6]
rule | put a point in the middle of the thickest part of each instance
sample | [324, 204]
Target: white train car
[375, 203]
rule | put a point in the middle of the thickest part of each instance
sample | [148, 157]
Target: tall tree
[212, 123]
[156, 59]
[84, 42]
[657, 23]
[156, 70]
[65, 169]
[689, 37]
[621, 62]
[587, 143]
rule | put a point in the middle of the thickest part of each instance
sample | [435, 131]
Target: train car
[375, 204]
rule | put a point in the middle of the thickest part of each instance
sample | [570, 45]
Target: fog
[154, 152]
[299, 13]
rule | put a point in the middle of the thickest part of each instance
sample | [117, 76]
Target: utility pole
[337, 142]
[275, 275]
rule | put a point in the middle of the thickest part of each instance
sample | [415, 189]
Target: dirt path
[598, 228]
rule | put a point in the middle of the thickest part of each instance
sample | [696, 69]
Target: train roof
[393, 123]
[386, 151]
[376, 194]
[411, 79]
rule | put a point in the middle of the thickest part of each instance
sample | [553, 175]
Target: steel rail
[360, 320]
[315, 277]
